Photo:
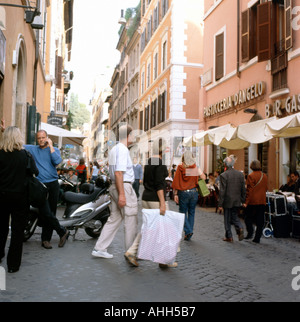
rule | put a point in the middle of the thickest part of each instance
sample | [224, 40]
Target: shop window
[295, 154]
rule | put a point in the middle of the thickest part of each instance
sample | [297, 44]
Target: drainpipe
[37, 36]
[37, 41]
[238, 40]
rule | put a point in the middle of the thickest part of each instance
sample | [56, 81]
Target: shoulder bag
[37, 191]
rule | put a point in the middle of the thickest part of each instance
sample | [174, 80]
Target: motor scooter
[89, 210]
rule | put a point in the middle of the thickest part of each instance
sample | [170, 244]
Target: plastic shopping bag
[160, 236]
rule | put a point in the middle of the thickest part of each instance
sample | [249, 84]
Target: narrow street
[209, 270]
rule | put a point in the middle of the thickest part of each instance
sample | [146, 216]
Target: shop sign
[243, 96]
[291, 105]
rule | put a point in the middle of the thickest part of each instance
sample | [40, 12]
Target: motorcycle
[88, 210]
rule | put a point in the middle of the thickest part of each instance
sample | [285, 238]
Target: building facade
[23, 60]
[28, 73]
[251, 57]
[170, 69]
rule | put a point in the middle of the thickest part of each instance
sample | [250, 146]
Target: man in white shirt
[123, 198]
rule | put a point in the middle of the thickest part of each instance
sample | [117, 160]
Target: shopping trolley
[268, 230]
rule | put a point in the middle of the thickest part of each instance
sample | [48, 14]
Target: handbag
[37, 191]
[202, 188]
[160, 236]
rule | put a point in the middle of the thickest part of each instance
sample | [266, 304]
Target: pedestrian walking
[138, 176]
[81, 171]
[47, 158]
[185, 190]
[257, 186]
[96, 170]
[231, 197]
[154, 195]
[13, 195]
[123, 197]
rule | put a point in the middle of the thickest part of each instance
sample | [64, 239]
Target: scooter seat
[81, 198]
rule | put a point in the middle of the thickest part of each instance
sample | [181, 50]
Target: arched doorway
[19, 106]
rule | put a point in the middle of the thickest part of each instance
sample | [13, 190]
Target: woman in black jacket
[13, 194]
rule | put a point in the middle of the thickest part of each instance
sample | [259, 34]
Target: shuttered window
[161, 111]
[249, 33]
[153, 113]
[146, 125]
[245, 35]
[58, 71]
[219, 56]
[264, 31]
[141, 120]
[288, 25]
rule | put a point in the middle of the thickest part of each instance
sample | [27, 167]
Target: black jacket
[13, 171]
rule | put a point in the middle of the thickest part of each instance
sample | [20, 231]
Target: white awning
[62, 136]
[224, 136]
[232, 138]
[254, 132]
[288, 126]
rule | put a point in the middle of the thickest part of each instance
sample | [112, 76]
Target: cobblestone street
[209, 270]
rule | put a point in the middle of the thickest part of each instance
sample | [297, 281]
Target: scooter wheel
[94, 233]
[267, 232]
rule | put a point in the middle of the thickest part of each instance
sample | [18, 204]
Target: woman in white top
[96, 170]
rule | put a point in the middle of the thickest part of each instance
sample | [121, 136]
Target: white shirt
[119, 160]
[95, 171]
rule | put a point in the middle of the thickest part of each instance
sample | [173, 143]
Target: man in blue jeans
[47, 158]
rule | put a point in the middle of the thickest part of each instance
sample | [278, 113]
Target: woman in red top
[257, 186]
[185, 190]
[81, 171]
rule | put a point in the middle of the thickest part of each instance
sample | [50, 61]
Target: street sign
[55, 120]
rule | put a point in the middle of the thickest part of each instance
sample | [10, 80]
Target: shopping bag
[160, 236]
[202, 188]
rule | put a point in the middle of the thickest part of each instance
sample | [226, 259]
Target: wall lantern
[32, 15]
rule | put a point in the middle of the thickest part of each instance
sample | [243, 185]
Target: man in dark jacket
[232, 196]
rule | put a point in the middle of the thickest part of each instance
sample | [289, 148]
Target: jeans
[48, 213]
[136, 187]
[187, 204]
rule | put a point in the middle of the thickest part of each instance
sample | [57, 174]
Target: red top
[184, 178]
[80, 168]
[256, 194]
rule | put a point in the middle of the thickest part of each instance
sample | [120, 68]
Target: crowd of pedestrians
[126, 176]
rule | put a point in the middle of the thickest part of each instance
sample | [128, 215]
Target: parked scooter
[89, 211]
[64, 186]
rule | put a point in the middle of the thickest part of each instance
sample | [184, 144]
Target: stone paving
[209, 270]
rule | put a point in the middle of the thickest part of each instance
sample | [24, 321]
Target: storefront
[286, 130]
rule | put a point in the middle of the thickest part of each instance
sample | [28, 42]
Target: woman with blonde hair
[13, 194]
[185, 190]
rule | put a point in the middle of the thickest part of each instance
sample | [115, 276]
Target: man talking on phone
[47, 158]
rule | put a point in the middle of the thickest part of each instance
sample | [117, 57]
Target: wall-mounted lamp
[122, 20]
[250, 111]
[255, 117]
[32, 15]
